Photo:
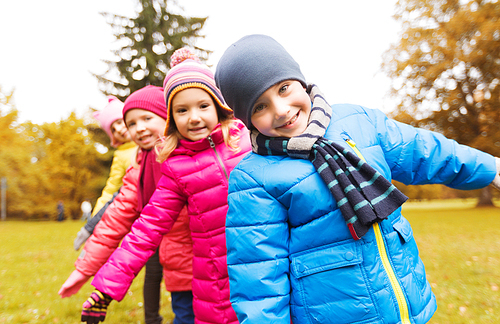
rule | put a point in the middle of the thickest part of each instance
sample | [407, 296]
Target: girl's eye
[130, 125]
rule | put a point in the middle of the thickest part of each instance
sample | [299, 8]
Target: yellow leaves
[47, 163]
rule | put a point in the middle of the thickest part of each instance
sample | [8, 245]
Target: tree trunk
[485, 197]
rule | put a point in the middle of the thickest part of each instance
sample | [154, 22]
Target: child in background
[144, 113]
[203, 144]
[111, 121]
[315, 234]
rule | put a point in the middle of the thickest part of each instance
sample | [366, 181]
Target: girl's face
[144, 127]
[119, 131]
[194, 113]
[283, 110]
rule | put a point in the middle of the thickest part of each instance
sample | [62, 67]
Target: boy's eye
[258, 108]
[283, 88]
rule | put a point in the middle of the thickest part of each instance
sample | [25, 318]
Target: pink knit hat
[106, 117]
[187, 72]
[148, 98]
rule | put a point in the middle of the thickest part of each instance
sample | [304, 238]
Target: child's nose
[281, 109]
[194, 116]
[121, 129]
[140, 126]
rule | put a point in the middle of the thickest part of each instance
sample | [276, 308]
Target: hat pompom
[181, 55]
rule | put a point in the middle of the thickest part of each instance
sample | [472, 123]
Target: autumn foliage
[46, 163]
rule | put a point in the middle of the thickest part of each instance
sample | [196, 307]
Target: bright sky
[48, 49]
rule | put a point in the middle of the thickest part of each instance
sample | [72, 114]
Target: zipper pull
[212, 144]
[350, 142]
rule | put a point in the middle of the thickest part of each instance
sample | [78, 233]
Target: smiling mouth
[194, 130]
[291, 121]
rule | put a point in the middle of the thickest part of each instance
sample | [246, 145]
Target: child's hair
[108, 115]
[187, 72]
[251, 66]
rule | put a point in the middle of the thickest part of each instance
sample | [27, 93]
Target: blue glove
[94, 308]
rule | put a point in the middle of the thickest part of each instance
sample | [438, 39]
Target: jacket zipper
[403, 305]
[212, 145]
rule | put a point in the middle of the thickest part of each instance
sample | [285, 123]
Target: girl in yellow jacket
[111, 121]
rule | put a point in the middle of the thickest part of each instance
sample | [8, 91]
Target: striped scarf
[363, 195]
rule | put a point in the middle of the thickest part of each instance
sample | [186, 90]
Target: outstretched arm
[418, 156]
[156, 219]
[115, 224]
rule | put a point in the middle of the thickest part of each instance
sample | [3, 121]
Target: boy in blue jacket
[314, 229]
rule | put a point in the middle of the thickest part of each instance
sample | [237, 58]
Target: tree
[68, 159]
[446, 69]
[47, 163]
[15, 158]
[147, 42]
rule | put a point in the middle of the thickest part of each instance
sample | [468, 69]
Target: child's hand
[95, 307]
[496, 181]
[73, 284]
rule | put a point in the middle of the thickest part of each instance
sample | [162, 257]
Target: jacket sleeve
[257, 237]
[121, 162]
[114, 225]
[156, 219]
[418, 156]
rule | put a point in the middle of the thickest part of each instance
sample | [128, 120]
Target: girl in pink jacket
[145, 114]
[203, 144]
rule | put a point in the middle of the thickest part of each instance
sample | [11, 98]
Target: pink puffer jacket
[116, 223]
[196, 174]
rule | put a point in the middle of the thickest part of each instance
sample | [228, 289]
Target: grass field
[459, 244]
[35, 260]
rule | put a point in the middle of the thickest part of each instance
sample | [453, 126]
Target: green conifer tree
[146, 44]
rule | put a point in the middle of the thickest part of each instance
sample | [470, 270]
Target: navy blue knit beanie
[251, 66]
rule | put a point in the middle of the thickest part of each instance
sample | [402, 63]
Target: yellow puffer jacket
[121, 161]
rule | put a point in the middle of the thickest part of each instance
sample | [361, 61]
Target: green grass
[35, 260]
[459, 244]
[460, 247]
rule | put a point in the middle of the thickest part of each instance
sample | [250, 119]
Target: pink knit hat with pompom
[106, 117]
[188, 72]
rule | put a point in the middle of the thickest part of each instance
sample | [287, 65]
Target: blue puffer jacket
[290, 254]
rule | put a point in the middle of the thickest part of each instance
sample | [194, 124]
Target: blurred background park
[433, 64]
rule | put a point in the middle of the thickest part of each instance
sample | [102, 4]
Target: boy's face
[194, 113]
[119, 131]
[144, 127]
[283, 110]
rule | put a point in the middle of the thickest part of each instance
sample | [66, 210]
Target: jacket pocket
[409, 265]
[326, 259]
[402, 226]
[329, 286]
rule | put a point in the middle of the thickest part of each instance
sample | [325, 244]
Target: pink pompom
[181, 55]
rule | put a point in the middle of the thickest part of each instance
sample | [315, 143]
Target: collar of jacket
[187, 147]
